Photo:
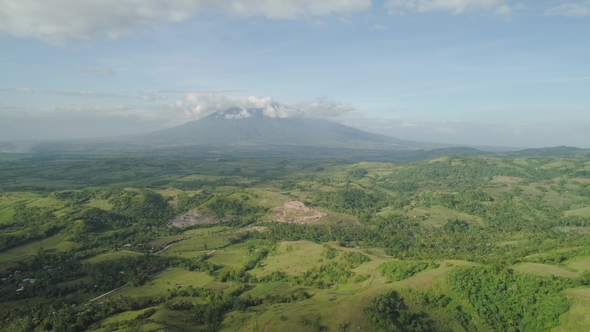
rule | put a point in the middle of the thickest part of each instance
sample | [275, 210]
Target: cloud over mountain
[192, 106]
[198, 105]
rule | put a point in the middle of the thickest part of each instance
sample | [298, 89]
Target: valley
[452, 243]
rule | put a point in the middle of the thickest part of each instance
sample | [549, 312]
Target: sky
[478, 72]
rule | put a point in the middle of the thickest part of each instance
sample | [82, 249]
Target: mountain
[251, 128]
[255, 132]
[559, 151]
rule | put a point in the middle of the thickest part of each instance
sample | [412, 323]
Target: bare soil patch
[297, 212]
[194, 217]
[544, 182]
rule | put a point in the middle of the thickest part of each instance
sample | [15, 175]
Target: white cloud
[570, 10]
[317, 23]
[25, 89]
[575, 79]
[193, 106]
[378, 27]
[453, 6]
[146, 95]
[200, 91]
[520, 6]
[323, 107]
[116, 110]
[21, 89]
[61, 21]
[103, 72]
[503, 10]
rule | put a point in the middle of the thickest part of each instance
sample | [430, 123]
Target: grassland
[545, 270]
[293, 257]
[233, 258]
[162, 283]
[579, 263]
[582, 212]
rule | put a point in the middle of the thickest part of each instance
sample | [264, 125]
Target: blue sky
[484, 72]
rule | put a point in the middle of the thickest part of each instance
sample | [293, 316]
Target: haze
[478, 72]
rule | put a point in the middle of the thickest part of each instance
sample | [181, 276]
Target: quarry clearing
[194, 217]
[296, 212]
